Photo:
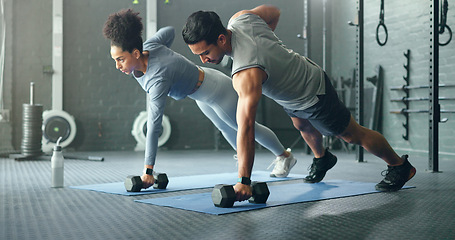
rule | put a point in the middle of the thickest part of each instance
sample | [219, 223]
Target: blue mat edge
[155, 191]
[262, 206]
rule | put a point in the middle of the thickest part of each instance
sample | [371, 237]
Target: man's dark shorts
[329, 116]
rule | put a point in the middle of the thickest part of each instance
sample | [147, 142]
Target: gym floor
[30, 209]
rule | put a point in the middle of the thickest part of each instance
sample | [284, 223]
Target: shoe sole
[284, 175]
[313, 181]
[412, 173]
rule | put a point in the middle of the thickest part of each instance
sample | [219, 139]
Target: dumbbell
[223, 195]
[134, 183]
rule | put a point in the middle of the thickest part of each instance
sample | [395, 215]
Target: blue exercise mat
[186, 183]
[279, 195]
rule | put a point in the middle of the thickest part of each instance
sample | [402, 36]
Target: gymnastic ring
[450, 36]
[377, 34]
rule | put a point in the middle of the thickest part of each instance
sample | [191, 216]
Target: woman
[162, 72]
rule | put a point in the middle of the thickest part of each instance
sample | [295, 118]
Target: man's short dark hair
[203, 25]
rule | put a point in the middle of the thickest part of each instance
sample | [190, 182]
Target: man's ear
[221, 40]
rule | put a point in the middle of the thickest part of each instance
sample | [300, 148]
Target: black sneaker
[319, 167]
[396, 176]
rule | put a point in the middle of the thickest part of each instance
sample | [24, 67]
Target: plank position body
[161, 72]
[263, 65]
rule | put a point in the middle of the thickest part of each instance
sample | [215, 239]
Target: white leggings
[217, 99]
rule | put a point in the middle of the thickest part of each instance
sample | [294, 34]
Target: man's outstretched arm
[248, 84]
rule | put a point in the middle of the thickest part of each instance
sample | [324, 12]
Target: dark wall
[30, 36]
[6, 126]
[408, 25]
[105, 102]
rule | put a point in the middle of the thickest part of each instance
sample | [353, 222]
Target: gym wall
[105, 102]
[408, 25]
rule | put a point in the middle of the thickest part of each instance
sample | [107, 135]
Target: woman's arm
[164, 36]
[157, 96]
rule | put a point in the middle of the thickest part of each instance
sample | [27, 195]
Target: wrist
[244, 180]
[148, 170]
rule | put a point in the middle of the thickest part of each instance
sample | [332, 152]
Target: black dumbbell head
[133, 183]
[260, 192]
[223, 196]
[161, 181]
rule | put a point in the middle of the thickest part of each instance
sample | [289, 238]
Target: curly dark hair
[124, 29]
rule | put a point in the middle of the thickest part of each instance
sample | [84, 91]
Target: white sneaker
[283, 165]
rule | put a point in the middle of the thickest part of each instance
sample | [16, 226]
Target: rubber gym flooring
[30, 209]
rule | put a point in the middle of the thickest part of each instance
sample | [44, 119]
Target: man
[263, 65]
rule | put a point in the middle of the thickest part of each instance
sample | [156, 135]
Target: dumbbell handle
[224, 195]
[160, 182]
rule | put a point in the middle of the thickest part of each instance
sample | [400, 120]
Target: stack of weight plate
[31, 129]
